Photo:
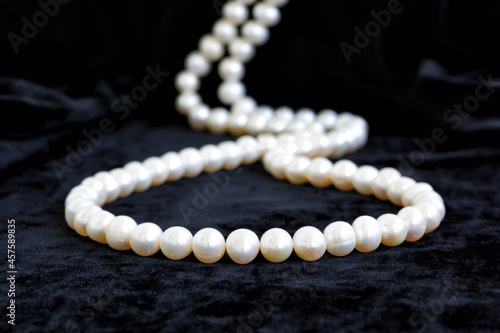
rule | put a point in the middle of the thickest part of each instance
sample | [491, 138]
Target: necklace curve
[293, 146]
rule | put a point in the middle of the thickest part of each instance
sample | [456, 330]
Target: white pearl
[394, 230]
[284, 112]
[317, 172]
[231, 91]
[340, 238]
[197, 63]
[231, 69]
[82, 217]
[244, 105]
[408, 195]
[96, 225]
[266, 14]
[217, 121]
[186, 81]
[158, 170]
[368, 233]
[277, 163]
[118, 232]
[176, 243]
[86, 192]
[338, 141]
[142, 176]
[208, 245]
[237, 123]
[296, 169]
[255, 32]
[267, 142]
[241, 49]
[249, 148]
[192, 161]
[384, 178]
[211, 48]
[145, 239]
[432, 198]
[395, 189]
[126, 181]
[309, 243]
[328, 118]
[213, 159]
[342, 174]
[276, 125]
[97, 186]
[225, 30]
[305, 115]
[258, 120]
[276, 245]
[174, 165]
[432, 215]
[415, 223]
[197, 117]
[186, 101]
[110, 184]
[242, 246]
[277, 3]
[296, 126]
[235, 12]
[231, 153]
[363, 179]
[78, 195]
[73, 207]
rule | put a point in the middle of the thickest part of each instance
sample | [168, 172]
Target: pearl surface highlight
[242, 246]
[309, 243]
[394, 230]
[276, 245]
[118, 232]
[368, 233]
[176, 243]
[340, 238]
[145, 239]
[208, 245]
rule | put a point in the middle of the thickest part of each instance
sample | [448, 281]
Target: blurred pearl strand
[292, 146]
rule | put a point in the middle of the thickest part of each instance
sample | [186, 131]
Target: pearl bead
[196, 63]
[86, 192]
[145, 239]
[176, 243]
[276, 245]
[125, 180]
[276, 125]
[82, 217]
[408, 195]
[97, 186]
[415, 223]
[433, 198]
[231, 69]
[192, 161]
[396, 188]
[235, 12]
[242, 246]
[208, 245]
[213, 159]
[186, 81]
[394, 230]
[231, 153]
[432, 215]
[368, 233]
[317, 172]
[78, 195]
[118, 232]
[244, 105]
[384, 178]
[158, 170]
[217, 121]
[96, 225]
[277, 163]
[363, 179]
[277, 3]
[237, 123]
[241, 49]
[197, 117]
[338, 141]
[142, 177]
[258, 121]
[266, 14]
[224, 30]
[342, 174]
[73, 207]
[328, 118]
[110, 185]
[174, 165]
[340, 238]
[267, 142]
[211, 48]
[255, 32]
[305, 115]
[309, 243]
[296, 169]
[249, 148]
[231, 91]
[296, 126]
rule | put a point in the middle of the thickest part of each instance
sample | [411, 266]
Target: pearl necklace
[291, 146]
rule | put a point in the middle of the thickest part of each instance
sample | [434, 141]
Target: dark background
[65, 79]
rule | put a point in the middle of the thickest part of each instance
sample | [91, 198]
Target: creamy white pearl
[242, 246]
[436, 201]
[176, 243]
[277, 163]
[415, 223]
[340, 238]
[266, 14]
[258, 120]
[267, 142]
[249, 148]
[174, 164]
[384, 178]
[396, 188]
[363, 179]
[276, 124]
[368, 233]
[197, 63]
[231, 91]
[82, 217]
[186, 81]
[296, 169]
[225, 30]
[309, 243]
[208, 245]
[408, 195]
[73, 207]
[432, 215]
[342, 173]
[110, 184]
[318, 171]
[236, 123]
[97, 186]
[158, 170]
[276, 245]
[328, 118]
[118, 232]
[96, 225]
[186, 101]
[145, 239]
[244, 105]
[192, 161]
[255, 32]
[394, 230]
[231, 153]
[231, 69]
[241, 49]
[211, 48]
[305, 115]
[197, 117]
[235, 12]
[86, 192]
[213, 159]
[142, 177]
[125, 180]
[217, 121]
[338, 140]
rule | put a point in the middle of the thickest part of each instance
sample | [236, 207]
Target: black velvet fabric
[416, 82]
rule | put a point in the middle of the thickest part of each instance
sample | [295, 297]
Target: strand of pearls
[292, 146]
